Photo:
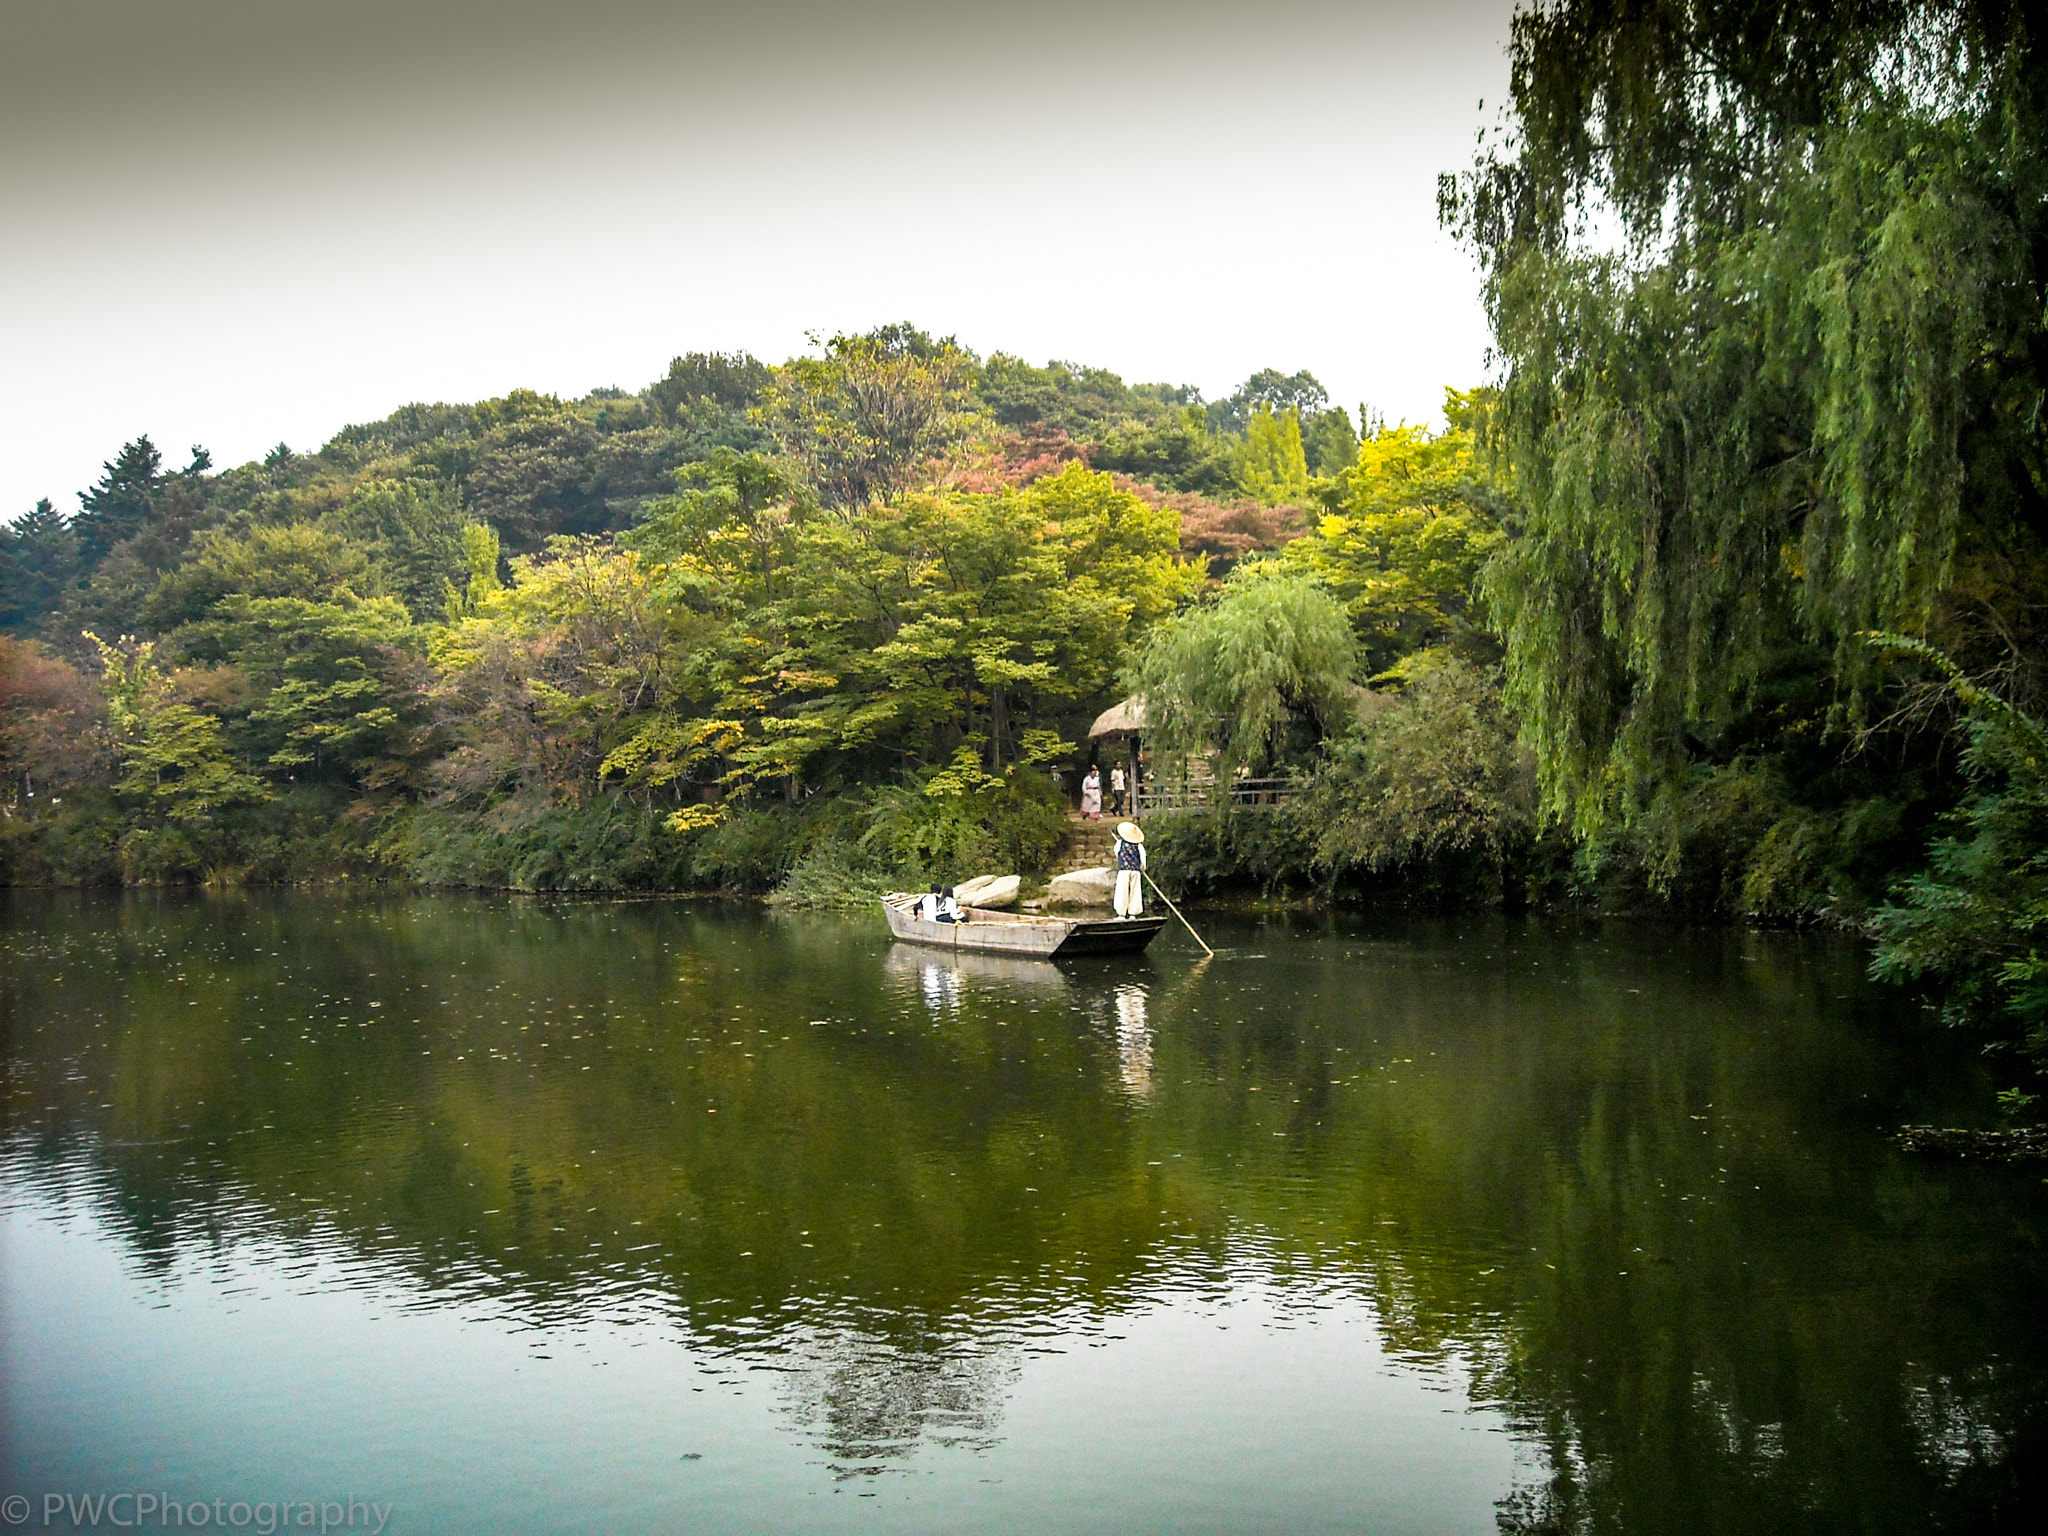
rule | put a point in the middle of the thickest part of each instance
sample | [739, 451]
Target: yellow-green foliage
[841, 642]
[546, 677]
[1414, 525]
[1272, 466]
[174, 762]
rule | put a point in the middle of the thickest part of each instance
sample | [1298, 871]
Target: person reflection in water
[941, 988]
[1133, 1041]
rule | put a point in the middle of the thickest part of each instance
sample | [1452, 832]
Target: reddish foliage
[1015, 459]
[52, 721]
[1225, 531]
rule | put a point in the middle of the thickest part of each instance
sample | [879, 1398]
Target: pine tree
[38, 563]
[121, 502]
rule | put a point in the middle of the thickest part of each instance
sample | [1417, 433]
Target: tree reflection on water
[1631, 1183]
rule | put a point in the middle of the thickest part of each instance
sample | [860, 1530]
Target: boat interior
[905, 902]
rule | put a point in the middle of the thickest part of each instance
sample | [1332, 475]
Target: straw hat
[1130, 832]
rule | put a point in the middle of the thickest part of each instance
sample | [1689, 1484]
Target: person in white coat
[1091, 794]
[941, 906]
[1130, 870]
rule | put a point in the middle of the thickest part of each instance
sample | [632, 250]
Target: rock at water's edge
[1083, 888]
[988, 891]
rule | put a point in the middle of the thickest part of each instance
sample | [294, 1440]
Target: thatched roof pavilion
[1125, 719]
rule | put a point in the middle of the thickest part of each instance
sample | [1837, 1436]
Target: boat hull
[1008, 933]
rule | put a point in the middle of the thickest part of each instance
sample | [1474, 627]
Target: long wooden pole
[1177, 913]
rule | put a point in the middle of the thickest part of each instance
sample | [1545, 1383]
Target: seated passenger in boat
[940, 906]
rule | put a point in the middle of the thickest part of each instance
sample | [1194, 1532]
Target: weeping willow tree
[1766, 282]
[1254, 679]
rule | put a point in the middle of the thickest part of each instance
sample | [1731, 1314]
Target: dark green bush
[601, 843]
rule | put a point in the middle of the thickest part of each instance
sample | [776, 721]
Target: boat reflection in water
[938, 978]
[1119, 1008]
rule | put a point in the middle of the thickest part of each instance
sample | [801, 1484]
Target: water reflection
[1133, 1041]
[877, 1398]
[940, 973]
[1630, 1190]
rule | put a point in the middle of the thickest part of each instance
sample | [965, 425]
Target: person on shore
[1117, 805]
[1130, 870]
[1091, 794]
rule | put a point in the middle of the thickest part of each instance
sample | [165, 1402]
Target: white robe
[1130, 887]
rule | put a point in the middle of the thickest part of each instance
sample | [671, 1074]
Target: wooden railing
[1194, 794]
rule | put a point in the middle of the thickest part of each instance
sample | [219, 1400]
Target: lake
[491, 1215]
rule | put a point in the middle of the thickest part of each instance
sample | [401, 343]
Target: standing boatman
[1130, 870]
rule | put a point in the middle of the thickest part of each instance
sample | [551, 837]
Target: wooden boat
[1022, 933]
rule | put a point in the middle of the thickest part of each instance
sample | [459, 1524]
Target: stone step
[1087, 845]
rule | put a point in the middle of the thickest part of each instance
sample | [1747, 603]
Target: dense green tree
[404, 431]
[725, 381]
[1975, 920]
[870, 417]
[1436, 772]
[539, 681]
[1329, 442]
[543, 470]
[1178, 453]
[1087, 403]
[295, 560]
[336, 690]
[174, 756]
[746, 497]
[330, 682]
[1768, 286]
[1273, 392]
[413, 531]
[121, 502]
[481, 555]
[897, 634]
[38, 563]
[134, 524]
[1271, 465]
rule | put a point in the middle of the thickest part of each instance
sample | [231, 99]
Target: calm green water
[664, 1217]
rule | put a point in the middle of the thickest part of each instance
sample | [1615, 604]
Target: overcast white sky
[239, 222]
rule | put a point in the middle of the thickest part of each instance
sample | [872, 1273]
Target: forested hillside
[845, 608]
[1730, 594]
